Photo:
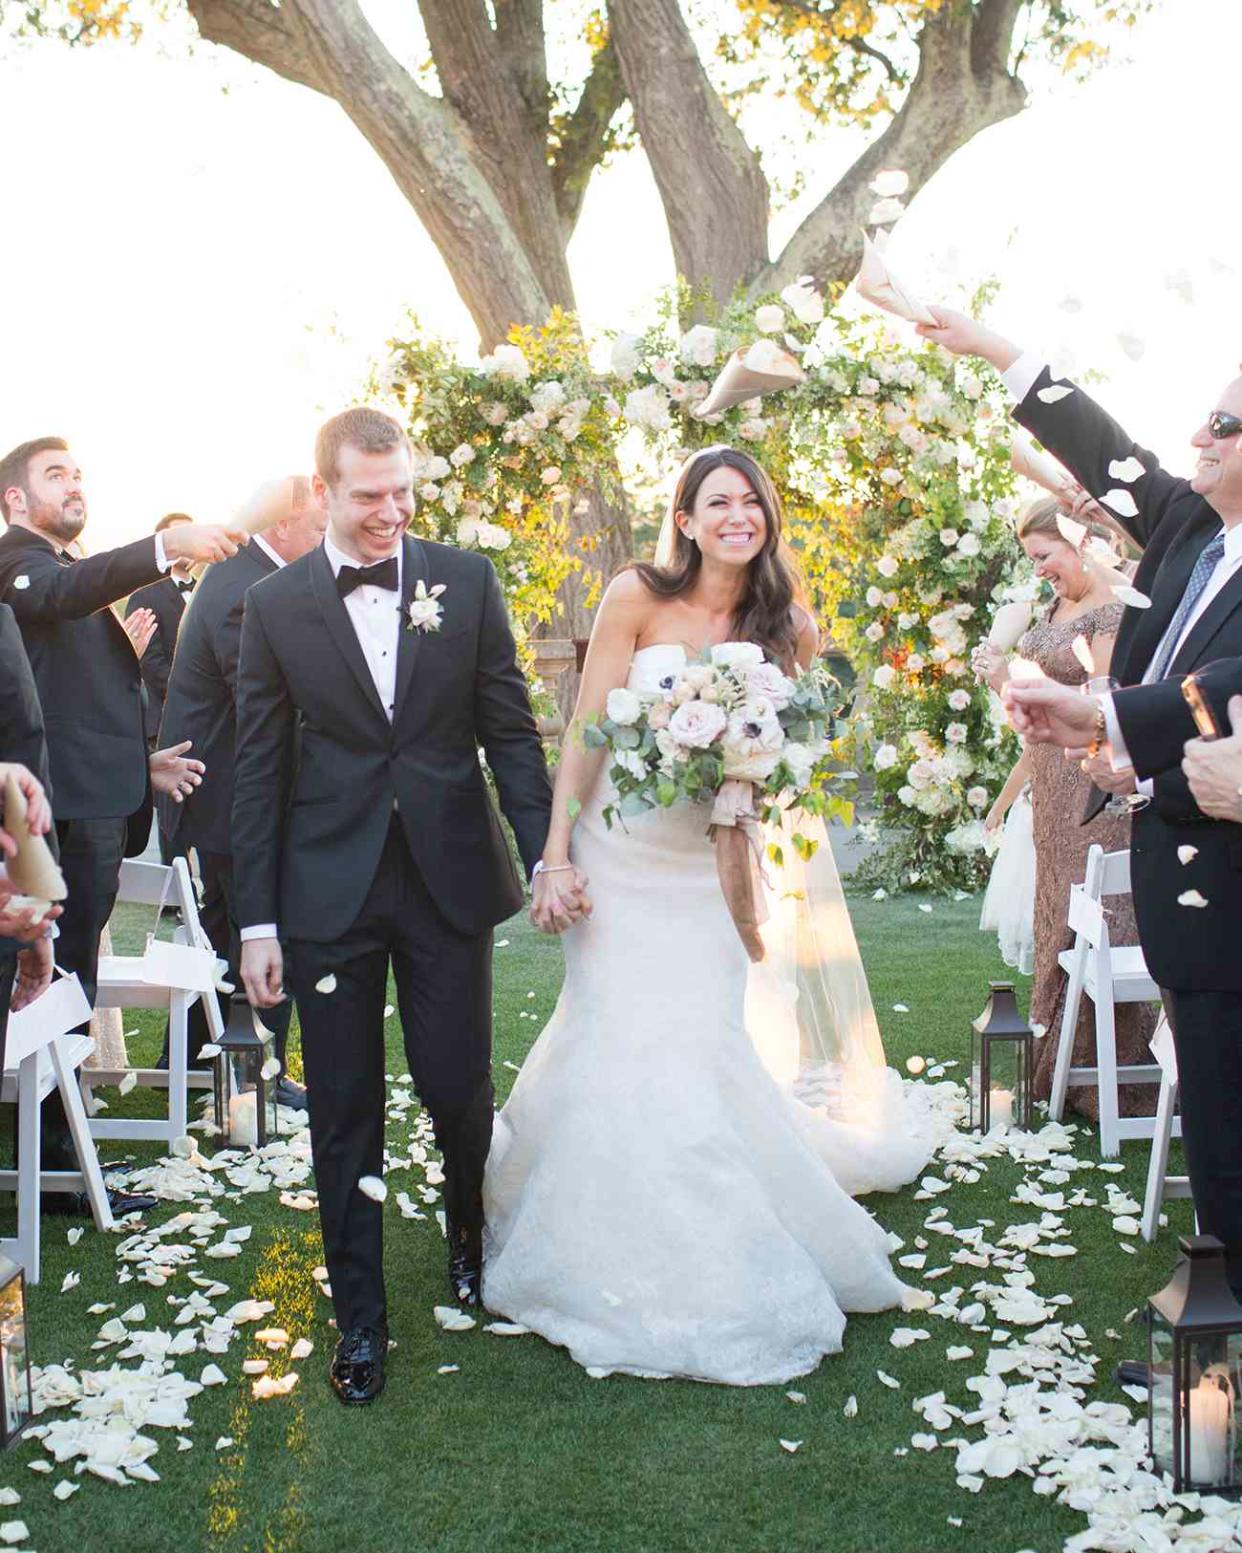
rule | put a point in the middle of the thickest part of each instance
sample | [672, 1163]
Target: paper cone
[1035, 464]
[761, 368]
[33, 870]
[877, 284]
[273, 500]
[1009, 625]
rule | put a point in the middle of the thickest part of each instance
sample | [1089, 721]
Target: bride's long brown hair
[774, 588]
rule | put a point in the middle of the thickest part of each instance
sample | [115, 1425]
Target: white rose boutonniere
[424, 611]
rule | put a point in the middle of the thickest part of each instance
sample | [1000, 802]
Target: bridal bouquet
[733, 730]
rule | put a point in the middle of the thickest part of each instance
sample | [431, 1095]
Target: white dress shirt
[273, 556]
[375, 614]
[1019, 379]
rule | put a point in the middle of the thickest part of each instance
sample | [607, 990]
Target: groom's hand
[262, 970]
[559, 899]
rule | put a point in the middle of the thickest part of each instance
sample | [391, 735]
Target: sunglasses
[1223, 425]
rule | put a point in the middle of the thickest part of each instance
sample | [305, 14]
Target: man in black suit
[393, 659]
[166, 600]
[1191, 570]
[90, 690]
[201, 708]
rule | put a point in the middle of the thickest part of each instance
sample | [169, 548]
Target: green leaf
[666, 792]
[574, 808]
[776, 854]
[626, 739]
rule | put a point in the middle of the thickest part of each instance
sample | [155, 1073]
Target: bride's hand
[559, 899]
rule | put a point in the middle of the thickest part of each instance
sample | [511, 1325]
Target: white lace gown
[655, 1202]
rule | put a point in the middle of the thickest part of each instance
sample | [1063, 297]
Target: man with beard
[91, 692]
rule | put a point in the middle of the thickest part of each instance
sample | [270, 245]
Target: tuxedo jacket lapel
[341, 627]
[413, 571]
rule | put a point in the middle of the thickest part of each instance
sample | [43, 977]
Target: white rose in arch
[884, 676]
[461, 455]
[968, 545]
[891, 476]
[885, 757]
[949, 537]
[886, 566]
[957, 733]
[770, 318]
[699, 345]
[506, 361]
[959, 700]
[623, 707]
[906, 795]
[625, 358]
[977, 797]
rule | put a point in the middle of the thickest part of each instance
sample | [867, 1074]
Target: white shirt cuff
[161, 560]
[1022, 376]
[1118, 754]
[261, 930]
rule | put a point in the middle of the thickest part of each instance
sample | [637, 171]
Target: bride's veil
[810, 1016]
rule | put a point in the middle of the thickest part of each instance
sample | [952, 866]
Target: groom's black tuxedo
[368, 836]
[1192, 952]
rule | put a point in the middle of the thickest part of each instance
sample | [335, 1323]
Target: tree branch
[714, 193]
[992, 43]
[260, 31]
[957, 91]
[585, 135]
[523, 45]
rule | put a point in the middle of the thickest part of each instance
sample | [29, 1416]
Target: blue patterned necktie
[1204, 567]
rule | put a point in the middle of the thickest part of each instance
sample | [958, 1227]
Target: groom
[371, 671]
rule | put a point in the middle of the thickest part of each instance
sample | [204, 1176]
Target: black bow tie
[382, 575]
[184, 587]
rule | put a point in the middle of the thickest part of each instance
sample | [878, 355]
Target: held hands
[262, 971]
[34, 974]
[203, 542]
[172, 774]
[559, 899]
[1119, 783]
[1213, 767]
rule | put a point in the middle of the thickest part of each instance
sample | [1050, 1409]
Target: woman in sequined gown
[1084, 607]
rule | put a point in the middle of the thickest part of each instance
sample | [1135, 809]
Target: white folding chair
[38, 1060]
[1161, 1185]
[1108, 976]
[127, 981]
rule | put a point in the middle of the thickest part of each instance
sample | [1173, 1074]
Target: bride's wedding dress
[657, 1200]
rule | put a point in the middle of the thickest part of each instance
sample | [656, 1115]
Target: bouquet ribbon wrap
[738, 839]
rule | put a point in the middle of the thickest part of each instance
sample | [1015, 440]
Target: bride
[657, 1199]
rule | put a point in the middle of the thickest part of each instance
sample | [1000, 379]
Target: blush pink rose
[697, 724]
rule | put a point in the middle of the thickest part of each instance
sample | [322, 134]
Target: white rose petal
[791, 1445]
[1081, 648]
[888, 1380]
[1053, 394]
[1121, 502]
[1187, 854]
[270, 1069]
[21, 583]
[373, 1187]
[507, 1329]
[850, 1410]
[326, 985]
[770, 318]
[127, 1083]
[1191, 898]
[1130, 596]
[450, 1319]
[1127, 470]
[889, 183]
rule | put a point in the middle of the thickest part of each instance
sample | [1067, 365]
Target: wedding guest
[1009, 900]
[90, 689]
[202, 707]
[166, 600]
[1084, 611]
[1191, 571]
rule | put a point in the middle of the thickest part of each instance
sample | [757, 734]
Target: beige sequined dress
[1059, 793]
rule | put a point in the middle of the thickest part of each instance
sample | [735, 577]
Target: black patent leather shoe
[357, 1371]
[77, 1205]
[291, 1094]
[1132, 1372]
[466, 1267]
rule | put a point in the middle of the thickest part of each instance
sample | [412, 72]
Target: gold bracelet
[1100, 737]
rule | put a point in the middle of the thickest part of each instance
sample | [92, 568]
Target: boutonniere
[424, 611]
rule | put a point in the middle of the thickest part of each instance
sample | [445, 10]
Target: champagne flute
[1118, 803]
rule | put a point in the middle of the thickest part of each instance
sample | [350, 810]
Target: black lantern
[1001, 1063]
[1195, 1353]
[246, 1074]
[15, 1388]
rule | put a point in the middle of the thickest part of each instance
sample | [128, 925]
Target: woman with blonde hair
[1078, 629]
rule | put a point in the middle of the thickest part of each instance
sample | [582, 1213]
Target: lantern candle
[1209, 1423]
[1000, 1107]
[243, 1122]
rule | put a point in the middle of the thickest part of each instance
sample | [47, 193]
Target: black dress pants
[8, 975]
[444, 994]
[1207, 1033]
[91, 853]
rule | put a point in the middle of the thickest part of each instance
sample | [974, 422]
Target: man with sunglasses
[1186, 864]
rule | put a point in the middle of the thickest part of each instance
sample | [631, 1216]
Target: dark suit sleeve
[263, 773]
[507, 730]
[55, 592]
[1156, 722]
[1087, 440]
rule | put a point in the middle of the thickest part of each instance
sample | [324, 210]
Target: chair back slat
[143, 884]
[1086, 917]
[1115, 873]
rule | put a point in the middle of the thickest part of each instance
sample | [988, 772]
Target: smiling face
[1056, 561]
[727, 521]
[52, 501]
[1218, 476]
[370, 502]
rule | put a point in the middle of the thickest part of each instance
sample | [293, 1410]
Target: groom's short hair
[369, 430]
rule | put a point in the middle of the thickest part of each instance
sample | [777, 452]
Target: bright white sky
[203, 259]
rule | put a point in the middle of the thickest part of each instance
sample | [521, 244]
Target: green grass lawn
[520, 1450]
